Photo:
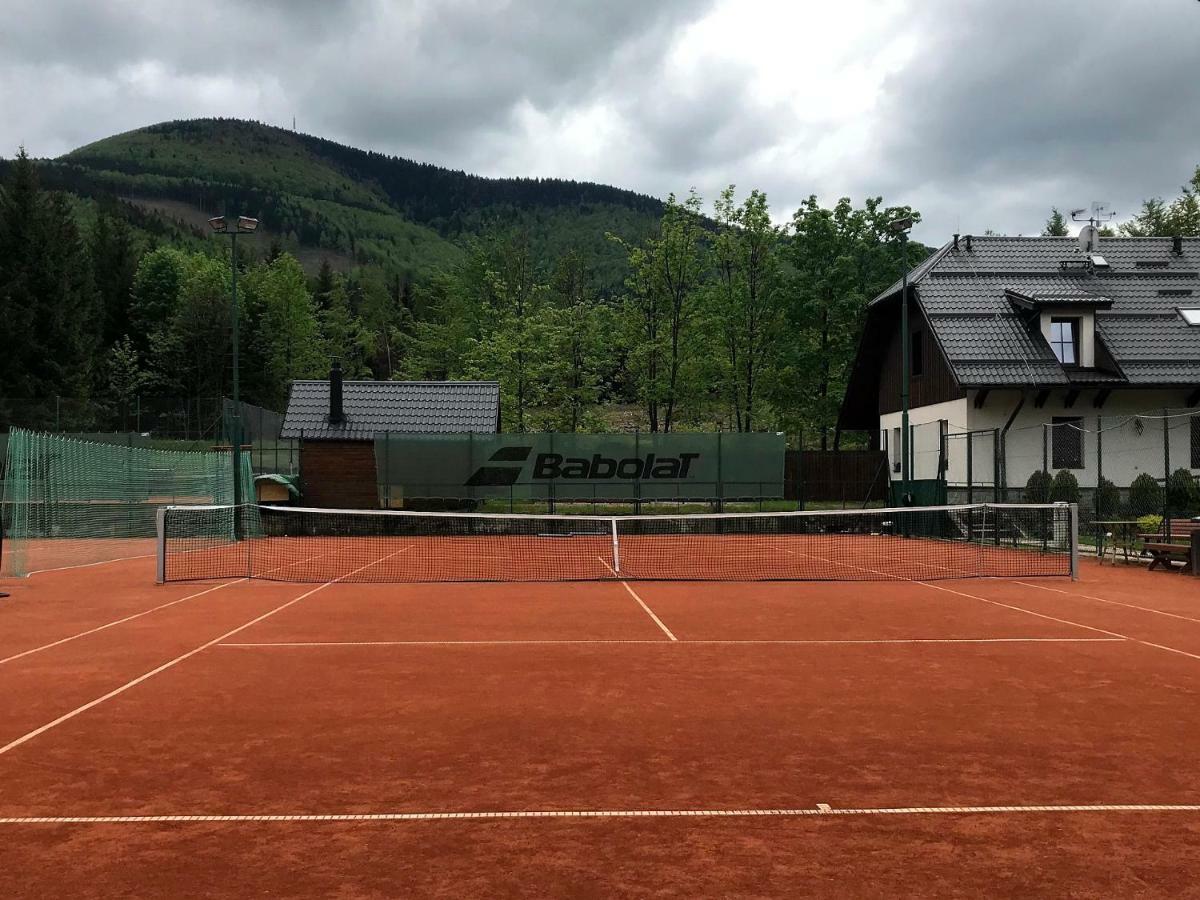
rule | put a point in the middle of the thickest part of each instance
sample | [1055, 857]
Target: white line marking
[102, 562]
[1067, 621]
[939, 587]
[641, 602]
[822, 809]
[501, 643]
[11, 745]
[145, 612]
[1158, 612]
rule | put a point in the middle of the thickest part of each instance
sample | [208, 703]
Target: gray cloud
[1017, 106]
[997, 112]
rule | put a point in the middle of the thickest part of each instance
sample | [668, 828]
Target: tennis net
[322, 545]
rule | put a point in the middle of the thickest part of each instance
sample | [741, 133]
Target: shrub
[1108, 499]
[1065, 487]
[1183, 496]
[1149, 524]
[1037, 488]
[1145, 496]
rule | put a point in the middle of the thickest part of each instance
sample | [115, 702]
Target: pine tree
[19, 223]
[114, 264]
[67, 321]
[323, 286]
[1056, 225]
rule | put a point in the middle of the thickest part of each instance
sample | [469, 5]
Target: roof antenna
[1089, 234]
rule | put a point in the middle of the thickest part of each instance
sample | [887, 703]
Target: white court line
[1067, 622]
[660, 643]
[822, 809]
[1158, 612]
[1113, 634]
[641, 602]
[11, 745]
[138, 615]
[102, 562]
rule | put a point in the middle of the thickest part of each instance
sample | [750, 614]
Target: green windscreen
[582, 467]
[70, 502]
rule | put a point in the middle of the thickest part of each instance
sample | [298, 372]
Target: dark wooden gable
[935, 384]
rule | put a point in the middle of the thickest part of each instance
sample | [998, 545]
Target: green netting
[583, 467]
[71, 502]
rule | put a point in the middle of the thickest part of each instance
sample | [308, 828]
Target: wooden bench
[1182, 546]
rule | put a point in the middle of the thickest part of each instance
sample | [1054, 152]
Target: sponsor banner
[579, 466]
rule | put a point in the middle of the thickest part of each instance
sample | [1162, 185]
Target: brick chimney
[336, 417]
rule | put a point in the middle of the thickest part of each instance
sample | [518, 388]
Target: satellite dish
[1089, 238]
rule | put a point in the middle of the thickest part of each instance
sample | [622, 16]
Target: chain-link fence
[189, 424]
[1131, 473]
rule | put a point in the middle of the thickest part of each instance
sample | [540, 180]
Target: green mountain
[320, 199]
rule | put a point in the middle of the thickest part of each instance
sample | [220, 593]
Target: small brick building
[336, 421]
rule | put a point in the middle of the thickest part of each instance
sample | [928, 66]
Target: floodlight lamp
[901, 225]
[245, 223]
[218, 223]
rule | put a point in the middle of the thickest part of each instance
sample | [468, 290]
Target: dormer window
[1064, 340]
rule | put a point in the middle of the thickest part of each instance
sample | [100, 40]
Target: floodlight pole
[236, 418]
[240, 225]
[901, 227]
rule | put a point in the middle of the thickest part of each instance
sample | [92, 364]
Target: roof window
[1191, 316]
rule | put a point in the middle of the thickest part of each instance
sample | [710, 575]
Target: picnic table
[1182, 545]
[1123, 532]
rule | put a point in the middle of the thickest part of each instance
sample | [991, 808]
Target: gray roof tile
[371, 407]
[987, 340]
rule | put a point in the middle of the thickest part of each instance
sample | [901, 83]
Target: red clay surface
[254, 699]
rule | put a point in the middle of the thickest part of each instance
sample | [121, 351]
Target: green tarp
[579, 466]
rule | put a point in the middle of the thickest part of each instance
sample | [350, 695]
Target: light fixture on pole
[233, 226]
[901, 227]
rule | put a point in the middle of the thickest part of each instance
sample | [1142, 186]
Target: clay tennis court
[1018, 736]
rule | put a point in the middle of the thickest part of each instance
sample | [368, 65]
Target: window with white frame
[1064, 340]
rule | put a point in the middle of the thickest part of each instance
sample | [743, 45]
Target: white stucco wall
[1126, 452]
[926, 438]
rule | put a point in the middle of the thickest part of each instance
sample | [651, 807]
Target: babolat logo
[553, 466]
[501, 476]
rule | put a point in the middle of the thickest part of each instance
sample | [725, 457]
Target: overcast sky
[979, 113]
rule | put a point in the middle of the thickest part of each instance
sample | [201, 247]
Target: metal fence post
[387, 470]
[1073, 515]
[1166, 475]
[996, 466]
[1099, 466]
[720, 477]
[1046, 448]
[970, 467]
[637, 485]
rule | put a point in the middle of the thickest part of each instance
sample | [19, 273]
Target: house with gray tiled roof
[1038, 353]
[336, 422]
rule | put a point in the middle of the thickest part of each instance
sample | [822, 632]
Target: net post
[1073, 516]
[616, 545]
[160, 545]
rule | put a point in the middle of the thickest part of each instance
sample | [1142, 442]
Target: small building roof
[372, 407]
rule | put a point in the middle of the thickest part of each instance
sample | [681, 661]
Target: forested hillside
[365, 207]
[579, 298]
